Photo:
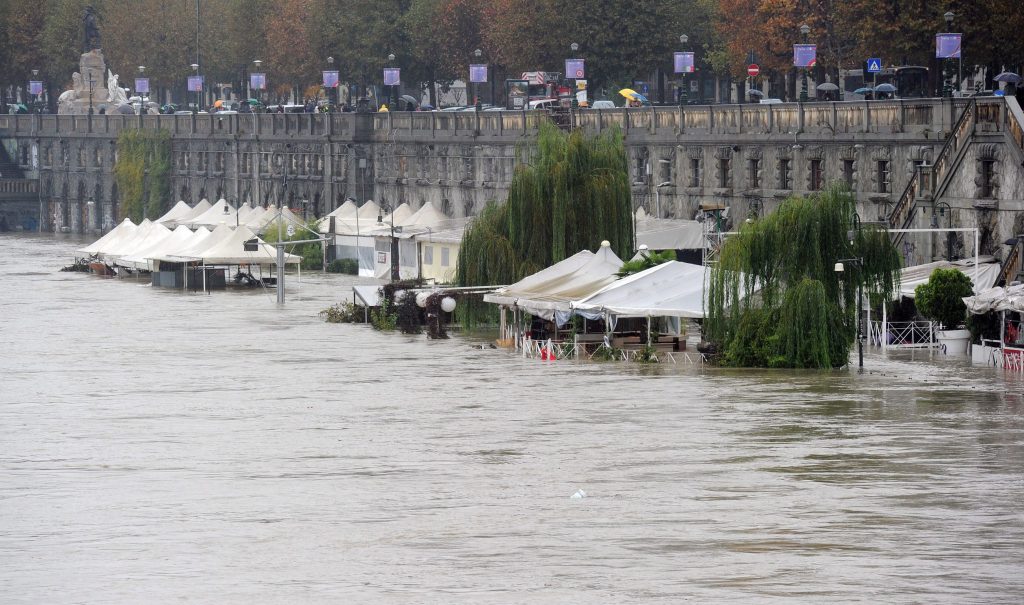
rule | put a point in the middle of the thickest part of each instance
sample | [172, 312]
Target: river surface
[161, 447]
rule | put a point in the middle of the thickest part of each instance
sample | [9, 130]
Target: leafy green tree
[941, 297]
[804, 313]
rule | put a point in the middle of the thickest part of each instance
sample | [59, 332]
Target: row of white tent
[205, 214]
[587, 284]
[144, 246]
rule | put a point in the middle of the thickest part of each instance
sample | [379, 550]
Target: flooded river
[160, 447]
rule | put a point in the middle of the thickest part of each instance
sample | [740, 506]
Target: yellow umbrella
[629, 93]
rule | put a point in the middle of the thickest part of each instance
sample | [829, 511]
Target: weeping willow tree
[142, 173]
[572, 193]
[775, 299]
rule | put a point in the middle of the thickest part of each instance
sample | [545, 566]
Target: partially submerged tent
[143, 260]
[671, 289]
[141, 246]
[127, 244]
[508, 295]
[230, 250]
[987, 274]
[551, 299]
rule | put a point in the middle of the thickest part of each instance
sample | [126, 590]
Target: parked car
[603, 104]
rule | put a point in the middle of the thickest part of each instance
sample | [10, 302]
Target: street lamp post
[684, 94]
[840, 268]
[804, 30]
[476, 85]
[394, 242]
[394, 89]
[574, 47]
[35, 74]
[947, 86]
[142, 97]
[195, 70]
[334, 89]
[257, 63]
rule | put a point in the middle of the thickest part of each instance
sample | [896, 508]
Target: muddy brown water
[159, 447]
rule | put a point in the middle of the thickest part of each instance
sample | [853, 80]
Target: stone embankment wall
[747, 158]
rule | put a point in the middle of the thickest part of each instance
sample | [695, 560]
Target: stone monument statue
[91, 31]
[115, 94]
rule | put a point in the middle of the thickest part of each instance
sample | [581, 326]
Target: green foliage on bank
[143, 173]
[312, 253]
[775, 299]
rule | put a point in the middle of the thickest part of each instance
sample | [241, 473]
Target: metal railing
[908, 334]
[1011, 266]
[903, 212]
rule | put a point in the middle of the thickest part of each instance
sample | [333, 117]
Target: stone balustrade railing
[925, 118]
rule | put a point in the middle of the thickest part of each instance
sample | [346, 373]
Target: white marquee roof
[122, 230]
[671, 289]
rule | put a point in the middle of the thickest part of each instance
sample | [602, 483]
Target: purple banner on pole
[947, 46]
[142, 85]
[35, 87]
[805, 55]
[478, 73]
[258, 81]
[683, 63]
[392, 76]
[574, 69]
[330, 79]
[195, 83]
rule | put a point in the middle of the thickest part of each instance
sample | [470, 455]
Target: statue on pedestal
[91, 31]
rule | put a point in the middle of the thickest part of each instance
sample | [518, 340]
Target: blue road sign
[874, 66]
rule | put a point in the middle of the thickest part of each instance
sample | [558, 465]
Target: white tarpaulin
[668, 234]
[912, 277]
[671, 289]
[1010, 298]
[531, 283]
[123, 230]
[193, 250]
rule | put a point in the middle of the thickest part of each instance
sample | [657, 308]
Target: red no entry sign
[753, 70]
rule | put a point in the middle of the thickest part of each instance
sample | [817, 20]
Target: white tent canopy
[230, 250]
[554, 297]
[123, 229]
[127, 244]
[532, 283]
[197, 210]
[987, 271]
[180, 211]
[176, 240]
[671, 289]
[156, 234]
[220, 213]
[193, 250]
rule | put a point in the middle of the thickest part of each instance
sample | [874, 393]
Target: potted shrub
[941, 300]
